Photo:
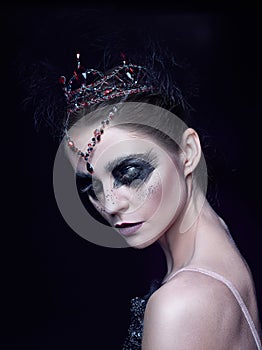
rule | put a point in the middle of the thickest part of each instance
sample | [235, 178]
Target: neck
[179, 241]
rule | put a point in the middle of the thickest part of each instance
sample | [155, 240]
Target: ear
[191, 150]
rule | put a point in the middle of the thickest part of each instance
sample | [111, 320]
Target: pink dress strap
[234, 292]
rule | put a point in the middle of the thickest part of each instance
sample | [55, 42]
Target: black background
[58, 290]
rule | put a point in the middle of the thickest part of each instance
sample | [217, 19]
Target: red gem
[62, 80]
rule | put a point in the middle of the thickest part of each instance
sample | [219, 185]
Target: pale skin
[191, 310]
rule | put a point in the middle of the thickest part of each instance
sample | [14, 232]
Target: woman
[143, 170]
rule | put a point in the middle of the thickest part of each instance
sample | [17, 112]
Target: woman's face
[137, 185]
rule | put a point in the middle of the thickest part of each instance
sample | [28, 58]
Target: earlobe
[191, 149]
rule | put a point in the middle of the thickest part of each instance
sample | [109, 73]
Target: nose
[116, 201]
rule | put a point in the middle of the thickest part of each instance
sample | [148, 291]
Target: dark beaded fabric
[135, 331]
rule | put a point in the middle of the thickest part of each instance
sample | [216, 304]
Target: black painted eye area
[86, 191]
[92, 187]
[131, 172]
[126, 176]
[95, 189]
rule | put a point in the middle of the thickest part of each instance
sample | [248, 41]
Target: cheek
[154, 193]
[173, 195]
[165, 197]
[172, 187]
[147, 197]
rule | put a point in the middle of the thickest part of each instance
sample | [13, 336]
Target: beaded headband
[89, 86]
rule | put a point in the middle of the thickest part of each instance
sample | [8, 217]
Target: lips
[128, 228]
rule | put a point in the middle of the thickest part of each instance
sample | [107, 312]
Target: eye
[128, 175]
[91, 192]
[95, 189]
[91, 188]
[133, 173]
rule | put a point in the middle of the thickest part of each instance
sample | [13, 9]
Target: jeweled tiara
[89, 86]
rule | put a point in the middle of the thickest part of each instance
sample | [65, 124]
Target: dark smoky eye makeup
[133, 170]
[85, 190]
[89, 185]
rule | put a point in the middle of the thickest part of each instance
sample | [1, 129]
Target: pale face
[137, 185]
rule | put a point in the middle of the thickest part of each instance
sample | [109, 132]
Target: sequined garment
[137, 310]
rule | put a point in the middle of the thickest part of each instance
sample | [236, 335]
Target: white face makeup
[140, 187]
[136, 186]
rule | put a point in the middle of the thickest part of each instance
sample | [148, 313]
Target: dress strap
[234, 291]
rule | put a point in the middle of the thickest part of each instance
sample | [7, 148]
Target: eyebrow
[147, 156]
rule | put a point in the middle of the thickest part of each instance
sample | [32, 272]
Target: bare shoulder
[194, 289]
[191, 311]
[188, 293]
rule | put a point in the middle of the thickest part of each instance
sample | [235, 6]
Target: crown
[90, 86]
